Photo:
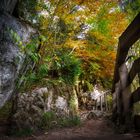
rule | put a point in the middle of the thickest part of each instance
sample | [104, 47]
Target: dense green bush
[68, 122]
[64, 66]
[50, 120]
[47, 120]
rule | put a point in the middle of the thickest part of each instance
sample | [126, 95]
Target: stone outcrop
[32, 106]
[11, 58]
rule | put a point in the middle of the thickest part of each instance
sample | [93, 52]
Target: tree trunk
[126, 92]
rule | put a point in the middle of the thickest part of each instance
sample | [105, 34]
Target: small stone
[46, 133]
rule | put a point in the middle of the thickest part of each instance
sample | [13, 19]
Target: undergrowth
[50, 121]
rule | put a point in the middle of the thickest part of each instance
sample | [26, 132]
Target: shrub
[50, 120]
[5, 111]
[69, 122]
[65, 66]
[47, 120]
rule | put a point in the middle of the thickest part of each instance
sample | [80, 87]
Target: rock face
[32, 106]
[11, 59]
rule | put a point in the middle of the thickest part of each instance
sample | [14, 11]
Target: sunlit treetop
[89, 29]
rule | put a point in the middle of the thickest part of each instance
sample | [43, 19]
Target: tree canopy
[78, 37]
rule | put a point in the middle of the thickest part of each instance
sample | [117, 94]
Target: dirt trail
[99, 129]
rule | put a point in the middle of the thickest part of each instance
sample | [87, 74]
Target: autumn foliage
[87, 30]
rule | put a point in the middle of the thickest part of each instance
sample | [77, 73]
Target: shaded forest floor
[99, 129]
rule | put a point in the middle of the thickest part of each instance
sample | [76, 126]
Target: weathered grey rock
[11, 58]
[32, 106]
[40, 91]
[61, 103]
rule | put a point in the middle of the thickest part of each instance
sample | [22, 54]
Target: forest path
[100, 129]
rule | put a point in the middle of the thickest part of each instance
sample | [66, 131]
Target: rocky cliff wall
[11, 58]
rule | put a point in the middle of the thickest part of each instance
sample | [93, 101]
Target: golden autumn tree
[77, 30]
